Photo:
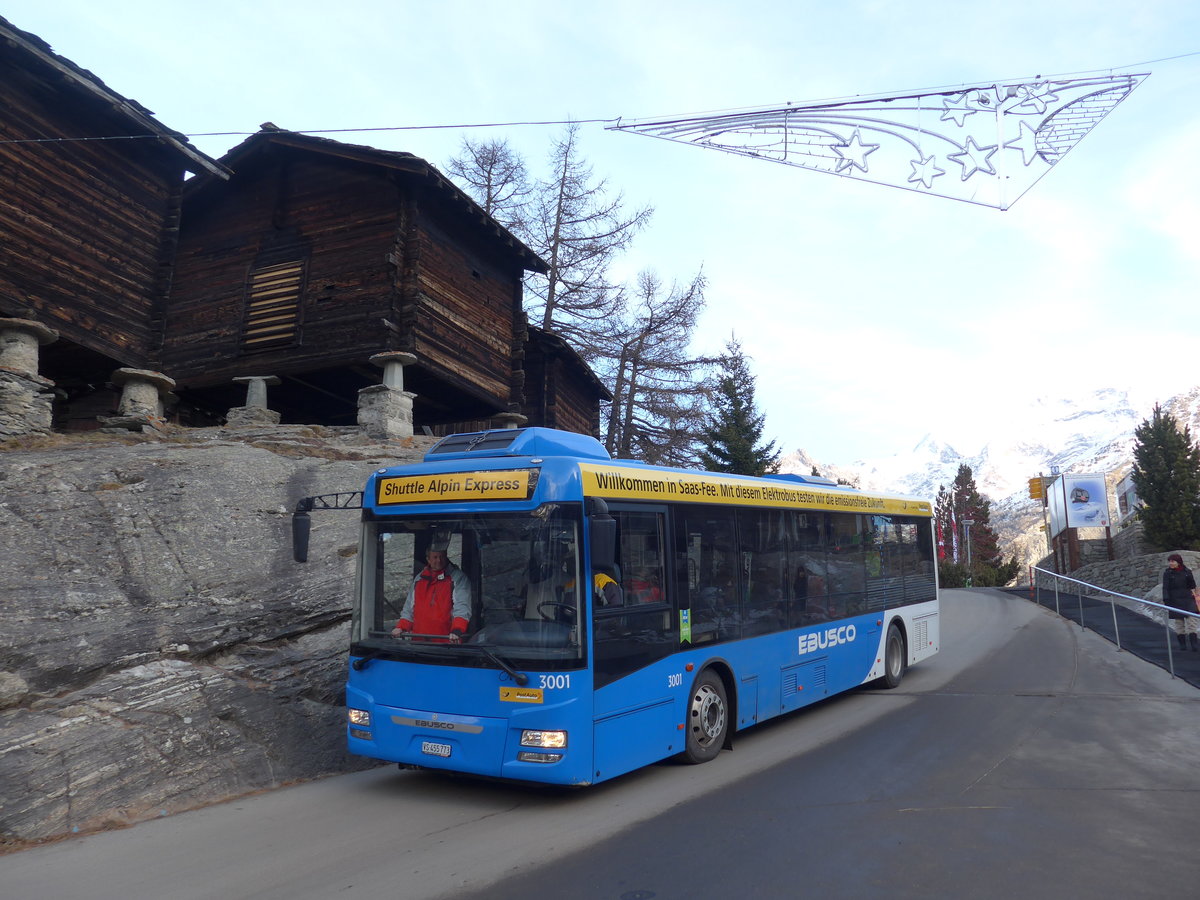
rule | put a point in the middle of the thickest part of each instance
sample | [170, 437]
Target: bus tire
[895, 658]
[707, 718]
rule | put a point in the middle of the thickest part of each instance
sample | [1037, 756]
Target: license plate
[435, 749]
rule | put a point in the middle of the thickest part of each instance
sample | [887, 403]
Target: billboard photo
[1077, 501]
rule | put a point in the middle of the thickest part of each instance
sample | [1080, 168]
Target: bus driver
[439, 601]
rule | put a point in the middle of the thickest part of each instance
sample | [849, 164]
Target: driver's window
[395, 559]
[550, 592]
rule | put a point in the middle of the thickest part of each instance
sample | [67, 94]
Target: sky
[872, 316]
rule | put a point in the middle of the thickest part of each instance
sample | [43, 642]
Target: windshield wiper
[361, 663]
[441, 649]
[519, 677]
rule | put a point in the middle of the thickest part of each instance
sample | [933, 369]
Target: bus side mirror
[602, 534]
[301, 524]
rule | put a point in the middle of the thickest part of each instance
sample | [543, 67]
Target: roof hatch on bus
[802, 479]
[517, 442]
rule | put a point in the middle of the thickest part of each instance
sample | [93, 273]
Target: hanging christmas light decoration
[984, 144]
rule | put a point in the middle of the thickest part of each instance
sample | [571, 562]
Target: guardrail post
[1112, 605]
[1170, 649]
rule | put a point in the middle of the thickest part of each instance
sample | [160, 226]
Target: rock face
[159, 648]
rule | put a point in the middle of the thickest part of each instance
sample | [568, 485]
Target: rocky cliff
[159, 648]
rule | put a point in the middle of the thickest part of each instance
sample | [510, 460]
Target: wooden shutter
[273, 306]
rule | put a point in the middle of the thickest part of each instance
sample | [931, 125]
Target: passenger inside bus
[439, 601]
[606, 590]
[811, 602]
[643, 586]
[766, 605]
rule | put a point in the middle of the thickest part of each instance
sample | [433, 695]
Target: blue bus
[620, 613]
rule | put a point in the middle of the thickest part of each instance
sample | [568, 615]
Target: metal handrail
[1093, 588]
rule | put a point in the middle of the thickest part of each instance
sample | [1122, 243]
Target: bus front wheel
[708, 718]
[894, 659]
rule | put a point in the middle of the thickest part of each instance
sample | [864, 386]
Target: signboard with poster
[1128, 501]
[1077, 501]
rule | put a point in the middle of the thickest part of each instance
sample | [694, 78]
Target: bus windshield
[511, 577]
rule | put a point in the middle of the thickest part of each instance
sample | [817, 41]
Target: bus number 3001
[553, 682]
[675, 680]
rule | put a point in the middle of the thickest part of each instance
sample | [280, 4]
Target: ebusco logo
[830, 637]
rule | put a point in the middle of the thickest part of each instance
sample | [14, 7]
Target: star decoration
[1036, 96]
[924, 171]
[957, 110]
[854, 153]
[975, 158]
[1026, 142]
[1036, 120]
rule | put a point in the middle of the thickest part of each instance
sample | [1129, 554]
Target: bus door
[632, 629]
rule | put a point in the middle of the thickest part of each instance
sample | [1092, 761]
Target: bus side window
[640, 548]
[712, 554]
[763, 537]
[640, 628]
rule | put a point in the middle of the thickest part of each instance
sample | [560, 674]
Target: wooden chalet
[317, 254]
[87, 225]
[292, 256]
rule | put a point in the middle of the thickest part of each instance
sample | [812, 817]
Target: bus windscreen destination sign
[451, 486]
[610, 481]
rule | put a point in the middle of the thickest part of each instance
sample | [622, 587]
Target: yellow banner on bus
[502, 485]
[702, 487]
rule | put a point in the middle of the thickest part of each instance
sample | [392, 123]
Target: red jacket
[439, 602]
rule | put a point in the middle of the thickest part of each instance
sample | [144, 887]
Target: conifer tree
[1166, 470]
[983, 564]
[733, 440]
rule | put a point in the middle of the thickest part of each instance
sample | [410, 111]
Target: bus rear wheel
[708, 718]
[894, 658]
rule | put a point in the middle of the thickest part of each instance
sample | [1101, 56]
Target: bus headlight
[359, 717]
[556, 740]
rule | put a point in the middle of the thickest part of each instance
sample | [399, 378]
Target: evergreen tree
[1166, 470]
[979, 561]
[733, 440]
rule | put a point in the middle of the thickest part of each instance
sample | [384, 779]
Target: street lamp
[967, 523]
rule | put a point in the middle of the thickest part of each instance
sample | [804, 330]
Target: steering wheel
[561, 610]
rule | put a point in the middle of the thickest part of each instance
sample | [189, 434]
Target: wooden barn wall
[557, 396]
[469, 320]
[576, 407]
[345, 218]
[85, 225]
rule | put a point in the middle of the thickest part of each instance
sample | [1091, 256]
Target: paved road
[1029, 758]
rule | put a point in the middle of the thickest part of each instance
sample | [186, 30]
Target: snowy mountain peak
[1087, 433]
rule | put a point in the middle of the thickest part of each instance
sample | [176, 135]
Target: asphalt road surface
[1028, 759]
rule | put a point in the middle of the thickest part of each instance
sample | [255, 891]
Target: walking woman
[1178, 591]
